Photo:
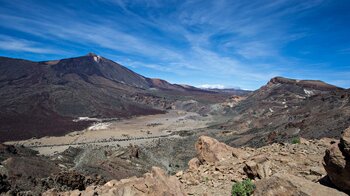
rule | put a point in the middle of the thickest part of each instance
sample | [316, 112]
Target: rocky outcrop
[154, 183]
[259, 167]
[344, 144]
[337, 162]
[218, 166]
[210, 150]
[289, 185]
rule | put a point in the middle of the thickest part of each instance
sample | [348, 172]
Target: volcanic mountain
[286, 108]
[43, 98]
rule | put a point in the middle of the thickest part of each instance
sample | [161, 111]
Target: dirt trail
[142, 130]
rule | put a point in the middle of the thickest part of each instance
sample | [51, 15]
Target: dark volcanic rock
[4, 184]
[73, 180]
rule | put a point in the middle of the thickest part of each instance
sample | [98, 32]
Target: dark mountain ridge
[314, 84]
[286, 108]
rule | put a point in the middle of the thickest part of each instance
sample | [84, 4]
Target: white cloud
[212, 86]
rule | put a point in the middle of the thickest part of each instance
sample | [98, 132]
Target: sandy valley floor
[142, 130]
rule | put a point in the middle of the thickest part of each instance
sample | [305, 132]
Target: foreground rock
[286, 184]
[218, 166]
[337, 162]
[154, 183]
[210, 150]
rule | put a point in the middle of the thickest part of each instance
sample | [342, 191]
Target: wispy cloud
[223, 41]
[344, 51]
[15, 44]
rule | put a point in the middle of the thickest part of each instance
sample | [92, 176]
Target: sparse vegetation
[296, 140]
[244, 188]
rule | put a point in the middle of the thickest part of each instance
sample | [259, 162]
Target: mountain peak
[91, 54]
[94, 56]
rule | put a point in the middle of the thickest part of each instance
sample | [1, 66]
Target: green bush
[296, 140]
[244, 188]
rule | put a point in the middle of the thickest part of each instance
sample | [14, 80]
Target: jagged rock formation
[210, 150]
[154, 183]
[337, 162]
[215, 176]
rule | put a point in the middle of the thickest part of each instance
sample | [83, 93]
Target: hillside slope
[286, 108]
[43, 98]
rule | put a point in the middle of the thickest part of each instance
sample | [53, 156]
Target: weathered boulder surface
[218, 166]
[337, 162]
[153, 184]
[210, 150]
[345, 142]
[258, 168]
[289, 185]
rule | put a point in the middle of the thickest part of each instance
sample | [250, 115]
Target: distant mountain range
[235, 91]
[43, 98]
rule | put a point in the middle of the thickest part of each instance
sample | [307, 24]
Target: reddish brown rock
[345, 142]
[259, 170]
[210, 150]
[289, 185]
[337, 162]
[193, 164]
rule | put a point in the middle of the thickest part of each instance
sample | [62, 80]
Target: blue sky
[226, 43]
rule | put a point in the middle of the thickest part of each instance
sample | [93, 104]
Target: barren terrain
[143, 130]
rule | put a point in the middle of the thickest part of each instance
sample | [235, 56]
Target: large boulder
[258, 167]
[210, 150]
[337, 162]
[344, 144]
[289, 185]
[152, 184]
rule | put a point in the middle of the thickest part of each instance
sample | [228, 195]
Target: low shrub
[244, 188]
[296, 140]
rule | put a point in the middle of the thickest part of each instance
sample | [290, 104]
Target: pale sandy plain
[143, 130]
